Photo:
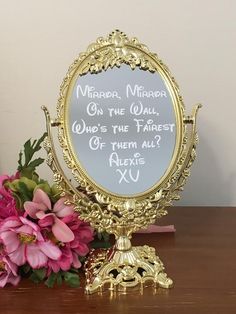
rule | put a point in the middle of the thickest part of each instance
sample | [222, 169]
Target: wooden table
[200, 257]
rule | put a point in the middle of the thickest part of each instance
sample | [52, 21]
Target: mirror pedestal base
[120, 270]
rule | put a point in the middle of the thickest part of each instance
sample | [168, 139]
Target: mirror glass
[121, 126]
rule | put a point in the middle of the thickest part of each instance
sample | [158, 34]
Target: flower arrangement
[41, 237]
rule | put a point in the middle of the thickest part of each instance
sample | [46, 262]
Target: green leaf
[59, 279]
[100, 244]
[50, 282]
[19, 203]
[99, 235]
[102, 240]
[25, 270]
[35, 178]
[34, 278]
[20, 159]
[30, 184]
[27, 172]
[26, 195]
[75, 270]
[35, 163]
[29, 150]
[43, 186]
[40, 273]
[38, 144]
[11, 185]
[72, 279]
[55, 193]
[103, 236]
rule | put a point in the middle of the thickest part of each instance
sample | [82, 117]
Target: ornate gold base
[119, 270]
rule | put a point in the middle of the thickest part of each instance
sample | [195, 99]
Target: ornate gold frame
[119, 214]
[146, 61]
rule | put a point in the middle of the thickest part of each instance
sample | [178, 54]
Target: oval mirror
[123, 129]
[123, 124]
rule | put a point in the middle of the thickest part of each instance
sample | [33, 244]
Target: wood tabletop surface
[200, 257]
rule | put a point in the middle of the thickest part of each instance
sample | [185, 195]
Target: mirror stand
[123, 267]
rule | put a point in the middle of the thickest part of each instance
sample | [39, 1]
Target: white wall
[196, 39]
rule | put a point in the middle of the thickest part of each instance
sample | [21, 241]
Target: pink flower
[68, 259]
[24, 242]
[41, 208]
[83, 234]
[8, 272]
[7, 201]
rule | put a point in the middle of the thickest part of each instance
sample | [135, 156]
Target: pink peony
[24, 242]
[7, 201]
[83, 234]
[67, 259]
[41, 208]
[8, 271]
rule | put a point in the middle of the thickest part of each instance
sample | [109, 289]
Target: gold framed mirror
[129, 145]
